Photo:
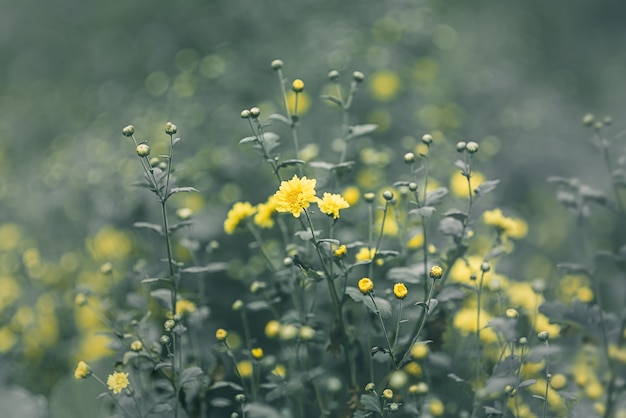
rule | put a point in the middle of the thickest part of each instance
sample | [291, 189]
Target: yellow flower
[458, 183]
[594, 390]
[509, 227]
[366, 285]
[272, 329]
[365, 254]
[558, 381]
[184, 306]
[264, 212]
[436, 272]
[117, 381]
[387, 394]
[244, 368]
[136, 345]
[384, 85]
[341, 251]
[221, 334]
[82, 370]
[413, 368]
[419, 351]
[295, 195]
[331, 204]
[436, 407]
[351, 194]
[257, 352]
[239, 212]
[400, 290]
[584, 294]
[297, 85]
[279, 370]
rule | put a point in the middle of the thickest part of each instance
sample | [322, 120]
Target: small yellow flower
[239, 212]
[436, 272]
[221, 334]
[384, 85]
[365, 254]
[436, 407]
[341, 252]
[272, 329]
[366, 285]
[558, 381]
[584, 294]
[117, 381]
[136, 345]
[351, 194]
[509, 227]
[82, 370]
[264, 212]
[413, 368]
[184, 306]
[419, 351]
[244, 368]
[279, 370]
[400, 290]
[388, 394]
[297, 85]
[257, 353]
[295, 195]
[331, 204]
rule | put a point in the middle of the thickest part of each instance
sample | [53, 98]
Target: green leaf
[17, 402]
[371, 403]
[190, 374]
[425, 211]
[486, 187]
[451, 226]
[163, 365]
[175, 141]
[435, 196]
[573, 268]
[456, 214]
[455, 378]
[156, 280]
[209, 268]
[248, 139]
[288, 163]
[360, 130]
[163, 297]
[147, 225]
[181, 190]
[462, 165]
[280, 118]
[526, 383]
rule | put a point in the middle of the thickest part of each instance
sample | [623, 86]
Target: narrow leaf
[151, 226]
[486, 187]
[435, 196]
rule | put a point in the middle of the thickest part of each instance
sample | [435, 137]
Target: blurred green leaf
[371, 403]
[435, 196]
[486, 187]
[147, 225]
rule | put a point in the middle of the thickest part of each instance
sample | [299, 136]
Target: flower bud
[511, 313]
[588, 119]
[170, 128]
[255, 112]
[165, 339]
[369, 197]
[221, 334]
[472, 147]
[333, 75]
[388, 195]
[523, 341]
[168, 325]
[143, 150]
[245, 114]
[409, 158]
[237, 305]
[106, 268]
[366, 285]
[136, 346]
[287, 261]
[297, 85]
[485, 267]
[427, 139]
[307, 333]
[538, 286]
[370, 387]
[277, 64]
[257, 353]
[393, 407]
[436, 272]
[80, 299]
[154, 161]
[128, 130]
[412, 186]
[387, 394]
[358, 76]
[400, 291]
[241, 398]
[460, 146]
[607, 120]
[543, 336]
[184, 214]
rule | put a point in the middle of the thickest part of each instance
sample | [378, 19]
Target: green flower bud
[485, 267]
[388, 195]
[460, 146]
[245, 114]
[128, 130]
[369, 197]
[277, 64]
[409, 158]
[412, 186]
[543, 336]
[427, 139]
[472, 147]
[170, 128]
[358, 76]
[164, 339]
[588, 119]
[143, 150]
[255, 112]
[333, 75]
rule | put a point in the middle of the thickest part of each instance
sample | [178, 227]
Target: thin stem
[259, 241]
[117, 402]
[479, 290]
[382, 324]
[395, 339]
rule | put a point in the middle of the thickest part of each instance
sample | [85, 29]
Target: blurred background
[515, 77]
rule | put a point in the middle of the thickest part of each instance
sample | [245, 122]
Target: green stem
[117, 402]
[382, 324]
[259, 241]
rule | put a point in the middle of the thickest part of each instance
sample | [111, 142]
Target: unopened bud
[543, 336]
[170, 128]
[128, 130]
[255, 112]
[472, 147]
[277, 64]
[333, 75]
[427, 139]
[485, 267]
[388, 195]
[460, 146]
[358, 76]
[245, 114]
[588, 119]
[409, 158]
[297, 85]
[412, 186]
[369, 197]
[143, 150]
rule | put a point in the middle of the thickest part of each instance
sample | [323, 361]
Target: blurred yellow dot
[351, 194]
[384, 85]
[459, 186]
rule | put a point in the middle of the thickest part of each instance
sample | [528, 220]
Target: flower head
[264, 212]
[295, 195]
[331, 204]
[341, 251]
[136, 345]
[366, 285]
[365, 254]
[387, 394]
[221, 334]
[239, 212]
[400, 290]
[436, 272]
[117, 381]
[257, 353]
[184, 306]
[82, 370]
[297, 85]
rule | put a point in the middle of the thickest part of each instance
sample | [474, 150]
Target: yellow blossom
[257, 352]
[244, 368]
[584, 294]
[272, 329]
[594, 390]
[436, 407]
[365, 254]
[279, 370]
[295, 195]
[136, 345]
[436, 272]
[419, 351]
[297, 85]
[366, 285]
[542, 323]
[331, 204]
[400, 291]
[558, 381]
[7, 340]
[239, 212]
[509, 227]
[221, 334]
[117, 381]
[264, 212]
[384, 85]
[341, 251]
[387, 394]
[413, 368]
[465, 322]
[184, 306]
[82, 370]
